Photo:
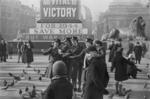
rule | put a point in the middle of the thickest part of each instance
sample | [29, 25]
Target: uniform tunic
[53, 57]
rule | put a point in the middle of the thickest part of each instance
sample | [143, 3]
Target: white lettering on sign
[57, 31]
[60, 9]
[46, 11]
[59, 12]
[59, 2]
[58, 28]
[59, 25]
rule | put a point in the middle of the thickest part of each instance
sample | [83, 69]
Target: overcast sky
[96, 6]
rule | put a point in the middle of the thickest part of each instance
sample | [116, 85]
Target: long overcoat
[24, 53]
[29, 55]
[3, 49]
[138, 52]
[94, 85]
[120, 65]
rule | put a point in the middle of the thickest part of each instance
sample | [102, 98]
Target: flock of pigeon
[26, 94]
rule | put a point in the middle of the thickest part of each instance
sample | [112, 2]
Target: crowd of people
[89, 61]
[24, 50]
[72, 63]
[25, 53]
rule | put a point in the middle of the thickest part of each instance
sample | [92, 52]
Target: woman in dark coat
[10, 50]
[94, 85]
[138, 52]
[29, 55]
[102, 53]
[23, 51]
[120, 65]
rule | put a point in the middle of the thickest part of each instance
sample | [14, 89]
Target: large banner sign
[51, 37]
[58, 28]
[60, 9]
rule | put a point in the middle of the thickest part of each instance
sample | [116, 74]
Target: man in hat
[54, 55]
[88, 43]
[60, 87]
[81, 56]
[65, 53]
[76, 64]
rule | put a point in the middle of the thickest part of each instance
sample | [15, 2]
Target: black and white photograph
[74, 49]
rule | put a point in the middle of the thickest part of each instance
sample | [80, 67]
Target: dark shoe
[106, 92]
[75, 89]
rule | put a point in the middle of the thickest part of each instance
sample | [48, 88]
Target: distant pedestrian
[19, 45]
[31, 44]
[29, 55]
[138, 52]
[7, 49]
[10, 50]
[111, 48]
[144, 49]
[3, 50]
[24, 52]
[131, 48]
[0, 52]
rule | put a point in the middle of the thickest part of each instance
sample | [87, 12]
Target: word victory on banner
[60, 9]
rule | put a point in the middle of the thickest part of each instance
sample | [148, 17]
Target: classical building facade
[15, 17]
[120, 14]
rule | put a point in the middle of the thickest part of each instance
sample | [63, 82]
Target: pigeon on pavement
[17, 78]
[9, 85]
[5, 83]
[20, 92]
